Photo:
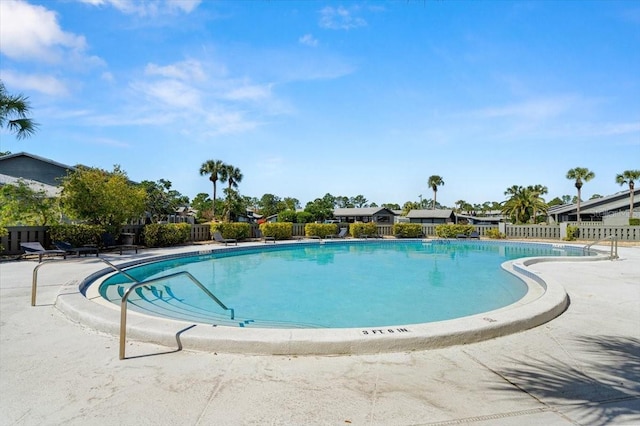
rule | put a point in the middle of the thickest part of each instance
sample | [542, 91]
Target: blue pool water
[338, 285]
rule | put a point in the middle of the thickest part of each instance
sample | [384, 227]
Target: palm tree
[213, 168]
[537, 191]
[233, 176]
[434, 182]
[628, 177]
[13, 114]
[580, 174]
[522, 203]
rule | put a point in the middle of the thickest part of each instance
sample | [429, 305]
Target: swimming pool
[355, 284]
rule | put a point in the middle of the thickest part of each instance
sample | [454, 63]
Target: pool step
[160, 301]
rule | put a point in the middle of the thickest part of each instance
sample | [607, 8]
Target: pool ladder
[137, 284]
[613, 253]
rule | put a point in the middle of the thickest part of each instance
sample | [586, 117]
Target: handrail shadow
[178, 349]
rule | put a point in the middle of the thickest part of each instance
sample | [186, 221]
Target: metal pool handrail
[34, 279]
[613, 254]
[123, 303]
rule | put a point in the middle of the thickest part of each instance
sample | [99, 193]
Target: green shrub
[3, 233]
[359, 229]
[279, 230]
[320, 229]
[495, 234]
[77, 235]
[166, 234]
[572, 233]
[452, 230]
[235, 230]
[407, 230]
[634, 221]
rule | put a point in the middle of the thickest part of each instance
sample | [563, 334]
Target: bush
[166, 234]
[279, 231]
[358, 229]
[235, 230]
[77, 235]
[573, 232]
[320, 229]
[451, 230]
[3, 233]
[634, 221]
[407, 230]
[495, 234]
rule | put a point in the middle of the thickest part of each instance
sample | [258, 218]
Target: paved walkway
[581, 368]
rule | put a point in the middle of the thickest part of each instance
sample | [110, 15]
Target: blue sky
[349, 98]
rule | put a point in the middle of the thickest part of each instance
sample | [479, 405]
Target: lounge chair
[461, 236]
[263, 237]
[475, 235]
[110, 243]
[341, 234]
[70, 249]
[217, 236]
[36, 249]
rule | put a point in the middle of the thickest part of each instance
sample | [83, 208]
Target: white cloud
[171, 93]
[340, 18]
[188, 70]
[249, 92]
[31, 32]
[535, 109]
[147, 8]
[308, 40]
[31, 82]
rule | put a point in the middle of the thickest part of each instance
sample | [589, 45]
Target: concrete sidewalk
[581, 368]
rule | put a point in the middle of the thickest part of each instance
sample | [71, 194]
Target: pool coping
[545, 300]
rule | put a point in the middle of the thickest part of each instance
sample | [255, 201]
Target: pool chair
[461, 236]
[475, 235]
[217, 236]
[341, 234]
[70, 249]
[36, 249]
[260, 235]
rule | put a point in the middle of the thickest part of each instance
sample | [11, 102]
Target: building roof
[430, 214]
[35, 157]
[481, 218]
[597, 205]
[361, 211]
[51, 191]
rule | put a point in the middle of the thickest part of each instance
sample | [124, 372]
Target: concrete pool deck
[581, 368]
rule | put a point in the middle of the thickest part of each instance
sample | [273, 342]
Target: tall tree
[522, 203]
[13, 114]
[580, 175]
[233, 176]
[536, 192]
[359, 201]
[162, 201]
[213, 168]
[627, 178]
[434, 182]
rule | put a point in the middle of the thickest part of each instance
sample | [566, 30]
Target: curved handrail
[613, 254]
[34, 278]
[123, 302]
[125, 296]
